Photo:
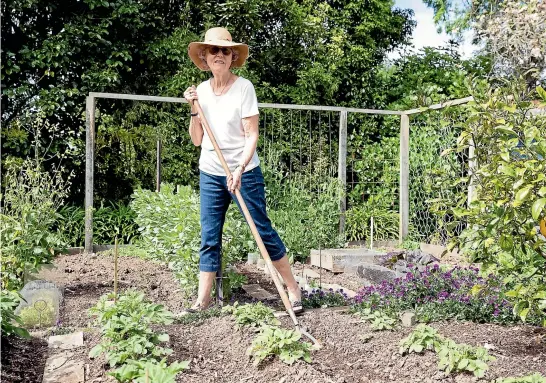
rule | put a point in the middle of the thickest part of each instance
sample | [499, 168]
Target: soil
[217, 350]
[23, 360]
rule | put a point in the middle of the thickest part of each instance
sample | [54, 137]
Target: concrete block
[309, 273]
[343, 260]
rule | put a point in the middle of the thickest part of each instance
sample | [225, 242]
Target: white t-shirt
[224, 114]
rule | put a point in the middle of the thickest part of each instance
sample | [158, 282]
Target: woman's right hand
[190, 94]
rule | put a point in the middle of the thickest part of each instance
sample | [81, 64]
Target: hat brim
[195, 47]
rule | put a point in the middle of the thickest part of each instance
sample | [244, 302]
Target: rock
[309, 273]
[66, 342]
[375, 274]
[408, 319]
[69, 371]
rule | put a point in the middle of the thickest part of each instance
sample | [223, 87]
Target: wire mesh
[433, 177]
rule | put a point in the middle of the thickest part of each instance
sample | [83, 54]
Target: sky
[425, 33]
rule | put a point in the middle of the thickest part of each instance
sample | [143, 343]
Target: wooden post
[471, 167]
[158, 167]
[342, 169]
[89, 170]
[404, 178]
[116, 270]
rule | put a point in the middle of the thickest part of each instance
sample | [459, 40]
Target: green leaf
[542, 191]
[537, 208]
[95, 351]
[163, 337]
[523, 193]
[541, 92]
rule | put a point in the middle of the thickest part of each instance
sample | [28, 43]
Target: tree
[55, 52]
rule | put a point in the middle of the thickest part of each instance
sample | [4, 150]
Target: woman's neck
[221, 79]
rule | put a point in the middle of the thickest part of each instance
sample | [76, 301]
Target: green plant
[535, 378]
[158, 372]
[169, 226]
[33, 316]
[320, 298]
[30, 203]
[422, 338]
[252, 314]
[125, 328]
[277, 341]
[197, 318]
[9, 300]
[462, 357]
[378, 320]
[509, 202]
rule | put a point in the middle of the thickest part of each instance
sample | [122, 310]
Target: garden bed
[216, 351]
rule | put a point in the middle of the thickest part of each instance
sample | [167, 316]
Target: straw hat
[219, 37]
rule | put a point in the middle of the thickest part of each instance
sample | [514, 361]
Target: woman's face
[219, 58]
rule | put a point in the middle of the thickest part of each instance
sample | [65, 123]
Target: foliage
[422, 338]
[170, 229]
[318, 298]
[199, 317]
[277, 341]
[302, 52]
[125, 328]
[385, 222]
[33, 317]
[304, 211]
[379, 320]
[459, 293]
[535, 378]
[32, 197]
[462, 357]
[115, 219]
[9, 300]
[509, 200]
[451, 356]
[135, 371]
[251, 315]
[516, 37]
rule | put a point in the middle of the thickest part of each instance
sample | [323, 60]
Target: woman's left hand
[234, 181]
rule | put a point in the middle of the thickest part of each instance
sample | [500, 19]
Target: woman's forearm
[250, 128]
[196, 131]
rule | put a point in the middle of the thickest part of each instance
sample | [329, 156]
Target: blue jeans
[215, 199]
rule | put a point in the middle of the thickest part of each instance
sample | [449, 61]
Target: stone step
[258, 292]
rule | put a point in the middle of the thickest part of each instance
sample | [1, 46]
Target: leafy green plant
[379, 320]
[9, 300]
[158, 372]
[252, 314]
[30, 203]
[197, 318]
[509, 201]
[277, 341]
[125, 328]
[320, 298]
[32, 316]
[535, 378]
[462, 357]
[422, 338]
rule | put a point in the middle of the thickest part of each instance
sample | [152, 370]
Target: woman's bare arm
[250, 127]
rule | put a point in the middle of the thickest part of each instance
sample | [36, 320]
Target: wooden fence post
[404, 178]
[158, 167]
[342, 169]
[89, 170]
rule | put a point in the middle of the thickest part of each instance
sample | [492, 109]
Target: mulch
[23, 360]
[217, 350]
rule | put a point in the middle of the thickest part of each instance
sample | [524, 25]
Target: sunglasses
[225, 51]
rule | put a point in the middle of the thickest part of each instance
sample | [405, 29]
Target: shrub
[509, 203]
[9, 300]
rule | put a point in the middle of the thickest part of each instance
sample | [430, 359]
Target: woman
[230, 106]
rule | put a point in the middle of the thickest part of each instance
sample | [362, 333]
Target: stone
[67, 341]
[60, 368]
[258, 292]
[309, 273]
[375, 274]
[408, 318]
